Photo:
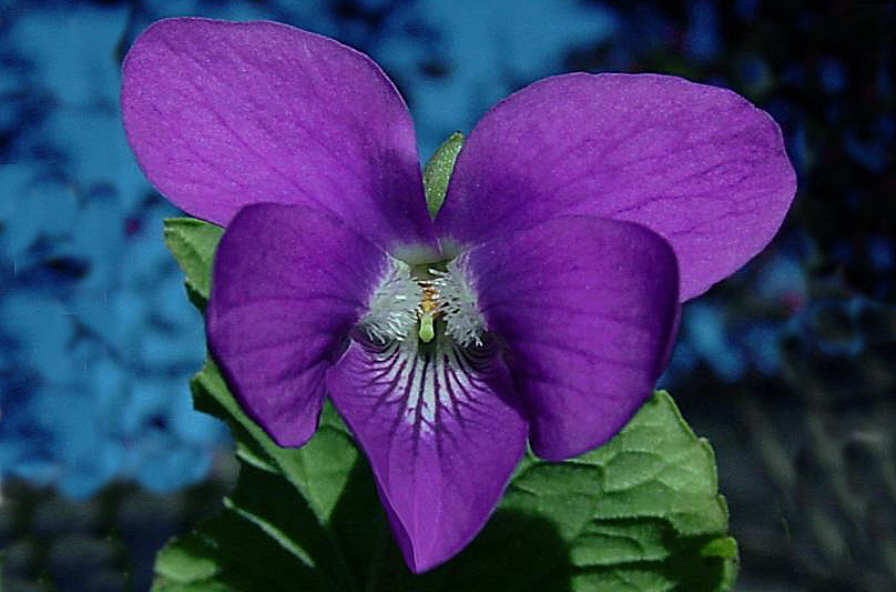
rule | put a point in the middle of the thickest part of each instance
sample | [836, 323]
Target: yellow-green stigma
[427, 311]
[427, 331]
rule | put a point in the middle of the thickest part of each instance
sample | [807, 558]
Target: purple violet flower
[541, 302]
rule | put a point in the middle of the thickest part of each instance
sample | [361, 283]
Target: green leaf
[190, 560]
[319, 470]
[284, 499]
[437, 172]
[636, 512]
[641, 513]
[229, 552]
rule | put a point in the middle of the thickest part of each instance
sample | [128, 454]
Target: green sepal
[193, 243]
[437, 172]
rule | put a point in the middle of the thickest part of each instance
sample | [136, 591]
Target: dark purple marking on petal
[289, 283]
[223, 114]
[441, 438]
[586, 307]
[697, 164]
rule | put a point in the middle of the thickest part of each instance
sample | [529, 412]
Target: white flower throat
[420, 301]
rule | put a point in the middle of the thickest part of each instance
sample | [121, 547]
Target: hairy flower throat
[425, 300]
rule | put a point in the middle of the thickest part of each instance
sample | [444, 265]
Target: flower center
[426, 300]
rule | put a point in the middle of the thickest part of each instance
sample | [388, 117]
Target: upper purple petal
[223, 114]
[440, 435]
[587, 308]
[699, 165]
[289, 283]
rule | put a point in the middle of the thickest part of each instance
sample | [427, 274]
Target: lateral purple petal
[289, 282]
[223, 114]
[587, 308]
[697, 164]
[440, 436]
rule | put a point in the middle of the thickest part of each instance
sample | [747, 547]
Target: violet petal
[697, 164]
[441, 439]
[223, 114]
[289, 283]
[586, 307]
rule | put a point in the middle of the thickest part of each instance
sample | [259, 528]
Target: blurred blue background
[788, 367]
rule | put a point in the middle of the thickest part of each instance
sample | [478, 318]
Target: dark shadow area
[515, 551]
[358, 522]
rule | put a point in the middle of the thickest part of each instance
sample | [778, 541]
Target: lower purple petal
[288, 284]
[441, 438]
[587, 308]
